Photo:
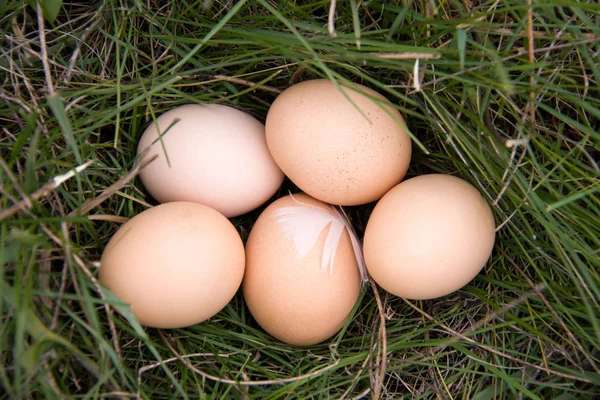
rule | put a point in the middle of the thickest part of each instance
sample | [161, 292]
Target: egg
[211, 154]
[339, 145]
[428, 237]
[177, 264]
[303, 273]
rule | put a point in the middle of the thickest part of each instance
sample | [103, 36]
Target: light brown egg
[292, 286]
[336, 151]
[215, 155]
[177, 264]
[428, 237]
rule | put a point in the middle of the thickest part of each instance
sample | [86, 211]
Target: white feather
[303, 224]
[331, 245]
[356, 246]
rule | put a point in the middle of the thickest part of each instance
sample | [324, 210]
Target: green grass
[527, 327]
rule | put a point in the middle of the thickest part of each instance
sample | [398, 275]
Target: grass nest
[504, 94]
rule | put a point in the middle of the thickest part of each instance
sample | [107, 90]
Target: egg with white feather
[304, 270]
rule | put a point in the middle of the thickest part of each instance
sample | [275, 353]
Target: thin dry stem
[518, 54]
[219, 77]
[59, 299]
[118, 395]
[108, 310]
[540, 34]
[11, 177]
[107, 217]
[331, 19]
[357, 376]
[457, 336]
[406, 56]
[246, 382]
[510, 178]
[296, 75]
[259, 100]
[362, 394]
[531, 49]
[27, 201]
[145, 368]
[75, 55]
[133, 198]
[81, 264]
[376, 390]
[90, 204]
[555, 314]
[10, 99]
[416, 76]
[51, 379]
[44, 50]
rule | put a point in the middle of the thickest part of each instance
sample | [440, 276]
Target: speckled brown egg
[428, 237]
[294, 289]
[340, 145]
[177, 264]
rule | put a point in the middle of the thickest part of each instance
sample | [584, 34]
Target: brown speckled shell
[331, 150]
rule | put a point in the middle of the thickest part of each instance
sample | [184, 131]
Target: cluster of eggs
[302, 268]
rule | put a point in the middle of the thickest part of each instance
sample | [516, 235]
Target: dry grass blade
[83, 267]
[44, 49]
[219, 77]
[519, 53]
[13, 179]
[106, 217]
[118, 395]
[457, 336]
[379, 381]
[90, 204]
[331, 18]
[43, 191]
[540, 34]
[567, 331]
[75, 55]
[531, 50]
[246, 382]
[406, 56]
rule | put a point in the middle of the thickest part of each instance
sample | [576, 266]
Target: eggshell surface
[210, 154]
[177, 264]
[336, 151]
[292, 298]
[428, 237]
